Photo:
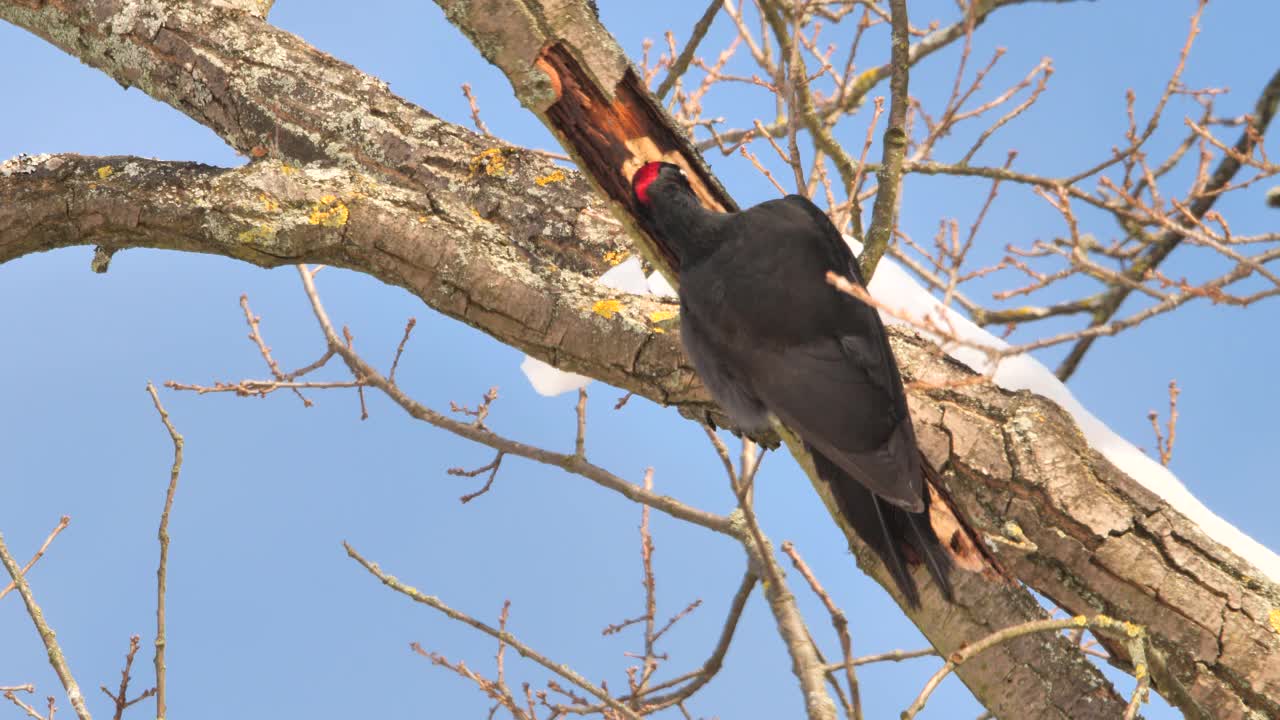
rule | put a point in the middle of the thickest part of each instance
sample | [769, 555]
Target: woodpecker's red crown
[645, 176]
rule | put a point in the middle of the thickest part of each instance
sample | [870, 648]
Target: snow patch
[659, 286]
[626, 276]
[893, 286]
[549, 381]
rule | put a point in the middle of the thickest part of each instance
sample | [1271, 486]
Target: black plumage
[768, 335]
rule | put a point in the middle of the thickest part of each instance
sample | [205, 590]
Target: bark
[500, 239]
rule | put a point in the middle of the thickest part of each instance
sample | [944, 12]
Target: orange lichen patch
[329, 211]
[253, 235]
[422, 219]
[490, 161]
[105, 172]
[661, 316]
[613, 257]
[475, 214]
[607, 308]
[551, 177]
[257, 151]
[269, 203]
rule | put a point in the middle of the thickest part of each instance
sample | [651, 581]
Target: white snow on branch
[893, 286]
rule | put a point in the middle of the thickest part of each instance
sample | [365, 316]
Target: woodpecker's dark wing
[818, 359]
[824, 394]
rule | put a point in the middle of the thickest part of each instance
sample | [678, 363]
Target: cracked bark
[481, 232]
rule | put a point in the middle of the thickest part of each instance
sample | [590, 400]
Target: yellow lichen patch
[551, 177]
[1140, 670]
[1079, 621]
[253, 235]
[613, 257]
[476, 214]
[1275, 620]
[491, 162]
[658, 316]
[607, 308]
[269, 203]
[105, 172]
[288, 169]
[328, 211]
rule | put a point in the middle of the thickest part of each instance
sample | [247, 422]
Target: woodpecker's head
[656, 180]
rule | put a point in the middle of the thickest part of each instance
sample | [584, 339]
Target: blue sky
[267, 616]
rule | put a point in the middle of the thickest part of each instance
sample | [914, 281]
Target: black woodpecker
[768, 335]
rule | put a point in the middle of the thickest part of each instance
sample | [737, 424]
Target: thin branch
[1264, 111]
[491, 468]
[408, 329]
[62, 525]
[502, 635]
[30, 711]
[839, 621]
[1135, 636]
[162, 572]
[1165, 446]
[121, 698]
[572, 463]
[805, 662]
[894, 146]
[56, 658]
[891, 656]
[681, 64]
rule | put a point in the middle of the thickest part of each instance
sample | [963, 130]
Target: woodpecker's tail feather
[888, 528]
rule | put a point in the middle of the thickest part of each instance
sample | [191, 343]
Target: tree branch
[884, 213]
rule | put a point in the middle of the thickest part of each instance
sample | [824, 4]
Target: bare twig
[256, 336]
[408, 329]
[1264, 110]
[121, 698]
[805, 662]
[435, 603]
[894, 147]
[475, 110]
[1165, 446]
[62, 525]
[1135, 636]
[56, 658]
[681, 63]
[491, 468]
[162, 572]
[839, 621]
[30, 711]
[484, 436]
